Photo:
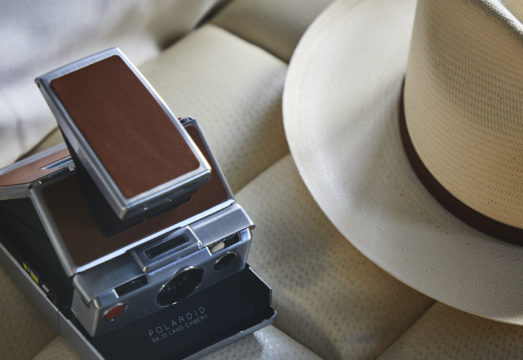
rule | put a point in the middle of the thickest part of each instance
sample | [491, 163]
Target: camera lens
[225, 261]
[180, 286]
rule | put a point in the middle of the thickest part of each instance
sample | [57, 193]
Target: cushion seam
[406, 330]
[247, 41]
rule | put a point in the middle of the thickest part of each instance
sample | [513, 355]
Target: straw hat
[392, 142]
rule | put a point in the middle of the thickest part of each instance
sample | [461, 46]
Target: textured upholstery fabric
[234, 89]
[329, 296]
[274, 25]
[454, 82]
[446, 333]
[53, 138]
[57, 349]
[266, 344]
[354, 163]
[23, 330]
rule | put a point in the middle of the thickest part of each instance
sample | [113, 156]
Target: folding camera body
[161, 266]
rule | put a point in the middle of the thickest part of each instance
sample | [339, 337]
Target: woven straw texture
[464, 103]
[341, 101]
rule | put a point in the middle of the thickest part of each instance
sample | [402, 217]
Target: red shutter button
[114, 312]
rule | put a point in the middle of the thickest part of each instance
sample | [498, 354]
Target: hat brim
[341, 112]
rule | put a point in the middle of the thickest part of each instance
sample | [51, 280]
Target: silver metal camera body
[114, 237]
[130, 278]
[138, 284]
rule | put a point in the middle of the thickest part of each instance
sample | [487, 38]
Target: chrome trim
[145, 263]
[35, 195]
[70, 268]
[94, 289]
[20, 190]
[182, 270]
[29, 287]
[71, 333]
[32, 158]
[66, 161]
[119, 203]
[115, 305]
[14, 191]
[223, 256]
[219, 225]
[124, 249]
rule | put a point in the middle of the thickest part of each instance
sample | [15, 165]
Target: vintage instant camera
[130, 231]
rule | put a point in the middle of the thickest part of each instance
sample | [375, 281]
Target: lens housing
[180, 286]
[225, 260]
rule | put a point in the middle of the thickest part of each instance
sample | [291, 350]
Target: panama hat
[405, 121]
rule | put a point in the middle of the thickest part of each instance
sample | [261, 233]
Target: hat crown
[348, 72]
[463, 103]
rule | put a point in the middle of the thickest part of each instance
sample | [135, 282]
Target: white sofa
[229, 72]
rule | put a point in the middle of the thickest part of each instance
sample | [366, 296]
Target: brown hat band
[459, 209]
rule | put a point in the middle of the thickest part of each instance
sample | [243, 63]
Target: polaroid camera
[130, 231]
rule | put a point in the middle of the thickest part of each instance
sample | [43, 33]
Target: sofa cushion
[447, 333]
[23, 330]
[328, 295]
[274, 25]
[57, 349]
[266, 344]
[234, 89]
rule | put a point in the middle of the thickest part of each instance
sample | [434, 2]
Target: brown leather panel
[32, 171]
[80, 233]
[447, 200]
[128, 130]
